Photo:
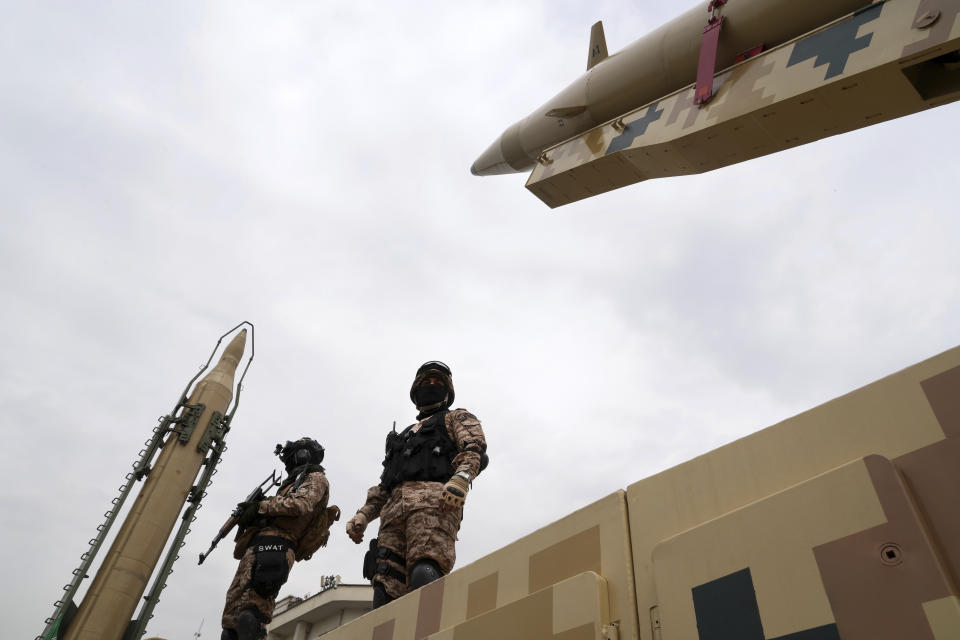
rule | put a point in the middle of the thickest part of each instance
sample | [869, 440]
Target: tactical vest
[425, 454]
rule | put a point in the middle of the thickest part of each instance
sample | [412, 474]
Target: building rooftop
[316, 614]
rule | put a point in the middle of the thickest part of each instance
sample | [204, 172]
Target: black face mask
[428, 394]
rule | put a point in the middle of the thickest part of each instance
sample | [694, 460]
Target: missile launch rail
[213, 441]
[789, 74]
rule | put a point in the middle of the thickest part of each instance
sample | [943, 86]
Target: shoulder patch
[462, 414]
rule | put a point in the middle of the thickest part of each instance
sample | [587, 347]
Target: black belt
[389, 554]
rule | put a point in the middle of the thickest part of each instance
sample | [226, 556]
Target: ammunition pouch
[243, 540]
[370, 561]
[426, 454]
[270, 567]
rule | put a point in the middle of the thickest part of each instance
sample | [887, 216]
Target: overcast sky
[168, 170]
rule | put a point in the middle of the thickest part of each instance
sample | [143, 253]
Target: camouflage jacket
[291, 512]
[467, 434]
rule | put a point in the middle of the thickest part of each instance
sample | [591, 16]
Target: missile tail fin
[598, 45]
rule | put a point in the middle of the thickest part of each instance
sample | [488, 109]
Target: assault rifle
[256, 495]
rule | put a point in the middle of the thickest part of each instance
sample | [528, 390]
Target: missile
[109, 604]
[653, 66]
[664, 102]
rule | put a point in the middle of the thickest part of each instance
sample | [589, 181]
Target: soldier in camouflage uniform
[428, 470]
[267, 541]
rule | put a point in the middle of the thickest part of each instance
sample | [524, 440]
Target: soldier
[273, 533]
[427, 472]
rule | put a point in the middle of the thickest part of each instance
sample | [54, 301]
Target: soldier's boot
[228, 634]
[380, 595]
[424, 572]
[249, 626]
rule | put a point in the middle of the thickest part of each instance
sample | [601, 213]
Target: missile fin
[598, 45]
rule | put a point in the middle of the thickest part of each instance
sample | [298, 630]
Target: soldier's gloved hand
[454, 492]
[356, 526]
[247, 512]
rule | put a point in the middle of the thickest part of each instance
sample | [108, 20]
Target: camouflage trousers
[425, 533]
[241, 594]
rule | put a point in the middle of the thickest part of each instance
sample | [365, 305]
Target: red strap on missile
[707, 65]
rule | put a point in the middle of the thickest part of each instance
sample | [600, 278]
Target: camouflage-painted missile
[112, 598]
[791, 73]
[653, 66]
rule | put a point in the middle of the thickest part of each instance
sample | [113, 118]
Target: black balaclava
[428, 394]
[430, 398]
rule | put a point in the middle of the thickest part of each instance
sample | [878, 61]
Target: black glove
[247, 512]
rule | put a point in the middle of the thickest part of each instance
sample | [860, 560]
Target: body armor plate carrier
[426, 454]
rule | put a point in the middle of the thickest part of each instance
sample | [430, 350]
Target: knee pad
[249, 626]
[228, 634]
[424, 572]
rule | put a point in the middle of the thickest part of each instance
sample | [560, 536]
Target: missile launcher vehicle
[838, 523]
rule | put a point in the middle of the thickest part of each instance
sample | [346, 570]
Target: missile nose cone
[491, 162]
[223, 373]
[505, 155]
[234, 351]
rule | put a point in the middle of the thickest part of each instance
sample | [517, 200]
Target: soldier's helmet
[437, 369]
[296, 453]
